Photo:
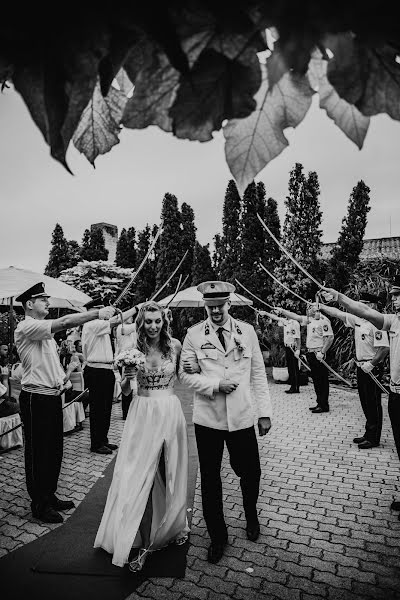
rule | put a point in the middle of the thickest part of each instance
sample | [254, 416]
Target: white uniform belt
[40, 389]
[100, 365]
[314, 349]
[153, 393]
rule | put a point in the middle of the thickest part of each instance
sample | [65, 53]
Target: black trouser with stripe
[320, 377]
[293, 369]
[100, 383]
[371, 403]
[43, 431]
[245, 461]
[394, 415]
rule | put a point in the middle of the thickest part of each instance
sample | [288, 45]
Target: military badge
[207, 346]
[326, 328]
[238, 330]
[378, 335]
[239, 344]
[363, 336]
[206, 330]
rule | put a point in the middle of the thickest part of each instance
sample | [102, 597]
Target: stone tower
[110, 233]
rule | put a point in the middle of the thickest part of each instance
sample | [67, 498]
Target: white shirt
[291, 331]
[391, 323]
[96, 344]
[127, 340]
[366, 337]
[41, 369]
[317, 330]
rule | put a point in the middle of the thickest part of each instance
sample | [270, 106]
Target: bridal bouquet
[131, 360]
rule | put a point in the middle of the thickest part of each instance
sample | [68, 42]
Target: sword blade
[140, 267]
[282, 247]
[378, 383]
[254, 296]
[336, 374]
[283, 285]
[170, 277]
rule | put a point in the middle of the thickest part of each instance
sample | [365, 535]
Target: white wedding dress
[155, 421]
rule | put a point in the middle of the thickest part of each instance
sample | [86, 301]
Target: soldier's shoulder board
[195, 325]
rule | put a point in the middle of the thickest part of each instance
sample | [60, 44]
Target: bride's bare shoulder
[177, 345]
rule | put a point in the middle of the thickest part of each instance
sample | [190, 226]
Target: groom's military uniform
[231, 354]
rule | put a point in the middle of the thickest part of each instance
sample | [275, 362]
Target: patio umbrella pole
[11, 325]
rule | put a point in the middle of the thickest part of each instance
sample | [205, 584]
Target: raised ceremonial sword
[140, 267]
[282, 247]
[283, 285]
[178, 288]
[254, 296]
[170, 277]
[378, 383]
[335, 374]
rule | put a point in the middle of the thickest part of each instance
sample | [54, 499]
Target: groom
[229, 358]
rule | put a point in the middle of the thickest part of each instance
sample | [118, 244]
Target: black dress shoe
[101, 450]
[366, 445]
[47, 515]
[359, 440]
[395, 505]
[58, 504]
[319, 410]
[253, 531]
[313, 407]
[215, 552]
[111, 446]
[292, 391]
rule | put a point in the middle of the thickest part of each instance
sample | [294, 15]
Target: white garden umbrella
[191, 297]
[14, 281]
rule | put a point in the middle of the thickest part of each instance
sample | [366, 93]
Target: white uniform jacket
[242, 362]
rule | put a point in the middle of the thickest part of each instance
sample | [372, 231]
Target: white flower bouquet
[131, 360]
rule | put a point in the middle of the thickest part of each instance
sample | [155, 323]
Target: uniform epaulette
[198, 323]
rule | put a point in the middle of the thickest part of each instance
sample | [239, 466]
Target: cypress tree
[253, 239]
[85, 246]
[230, 240]
[188, 240]
[97, 246]
[170, 248]
[302, 237]
[126, 249]
[346, 252]
[74, 253]
[58, 257]
[144, 285]
[202, 268]
[217, 255]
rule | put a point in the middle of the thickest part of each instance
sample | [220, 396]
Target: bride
[146, 502]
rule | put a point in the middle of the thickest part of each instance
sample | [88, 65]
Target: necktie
[220, 333]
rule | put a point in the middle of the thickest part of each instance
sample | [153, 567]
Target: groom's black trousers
[245, 461]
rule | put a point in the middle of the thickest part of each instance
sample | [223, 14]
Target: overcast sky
[127, 186]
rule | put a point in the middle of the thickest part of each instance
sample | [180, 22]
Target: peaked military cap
[94, 303]
[395, 286]
[215, 292]
[367, 297]
[35, 291]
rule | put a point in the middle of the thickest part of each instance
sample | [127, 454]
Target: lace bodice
[161, 378]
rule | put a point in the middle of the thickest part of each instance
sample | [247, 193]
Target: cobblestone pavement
[326, 527]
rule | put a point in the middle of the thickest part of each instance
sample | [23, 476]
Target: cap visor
[215, 301]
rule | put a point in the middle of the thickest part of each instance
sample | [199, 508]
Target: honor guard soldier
[98, 352]
[372, 347]
[391, 324]
[43, 381]
[227, 355]
[319, 340]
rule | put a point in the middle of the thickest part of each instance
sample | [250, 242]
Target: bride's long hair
[165, 343]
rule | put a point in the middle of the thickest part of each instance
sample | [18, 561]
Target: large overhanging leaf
[99, 126]
[368, 77]
[345, 115]
[253, 142]
[194, 65]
